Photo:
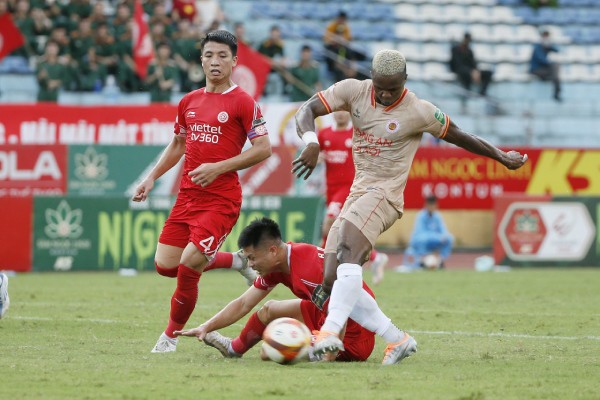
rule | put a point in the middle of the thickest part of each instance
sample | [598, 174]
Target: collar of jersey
[225, 92]
[391, 106]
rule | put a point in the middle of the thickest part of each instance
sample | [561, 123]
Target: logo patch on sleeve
[440, 116]
[258, 121]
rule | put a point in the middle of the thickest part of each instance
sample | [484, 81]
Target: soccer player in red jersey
[336, 151]
[211, 128]
[298, 266]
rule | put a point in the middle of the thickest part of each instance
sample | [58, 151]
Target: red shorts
[358, 341]
[204, 223]
[335, 201]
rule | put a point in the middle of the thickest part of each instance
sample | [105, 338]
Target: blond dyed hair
[388, 62]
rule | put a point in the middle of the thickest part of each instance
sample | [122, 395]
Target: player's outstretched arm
[305, 128]
[475, 144]
[171, 156]
[233, 312]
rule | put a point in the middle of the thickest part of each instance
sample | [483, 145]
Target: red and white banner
[10, 36]
[251, 71]
[143, 52]
[462, 180]
[31, 170]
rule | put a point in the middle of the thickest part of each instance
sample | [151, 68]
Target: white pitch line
[507, 335]
[444, 333]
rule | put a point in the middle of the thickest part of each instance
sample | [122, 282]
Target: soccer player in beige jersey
[389, 122]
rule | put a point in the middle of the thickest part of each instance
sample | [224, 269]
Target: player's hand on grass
[306, 161]
[514, 159]
[142, 190]
[205, 174]
[199, 332]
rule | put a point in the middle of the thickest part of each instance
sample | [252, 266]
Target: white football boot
[396, 352]
[4, 299]
[327, 342]
[378, 267]
[221, 343]
[245, 270]
[165, 344]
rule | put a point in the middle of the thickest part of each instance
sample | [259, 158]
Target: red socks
[221, 260]
[249, 336]
[184, 299]
[169, 272]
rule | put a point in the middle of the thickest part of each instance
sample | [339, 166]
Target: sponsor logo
[440, 116]
[392, 126]
[204, 128]
[356, 113]
[45, 166]
[223, 117]
[191, 114]
[91, 166]
[63, 223]
[258, 121]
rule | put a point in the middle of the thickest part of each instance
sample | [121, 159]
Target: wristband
[310, 137]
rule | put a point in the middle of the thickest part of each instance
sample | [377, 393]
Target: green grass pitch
[531, 334]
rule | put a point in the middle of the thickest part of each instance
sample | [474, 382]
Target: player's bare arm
[205, 174]
[169, 158]
[511, 159]
[305, 122]
[233, 312]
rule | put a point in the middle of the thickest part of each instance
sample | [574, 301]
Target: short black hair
[258, 231]
[306, 48]
[221, 36]
[431, 199]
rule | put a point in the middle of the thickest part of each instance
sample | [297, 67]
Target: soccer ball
[431, 261]
[286, 341]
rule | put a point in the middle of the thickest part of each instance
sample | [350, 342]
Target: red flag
[143, 52]
[10, 36]
[251, 70]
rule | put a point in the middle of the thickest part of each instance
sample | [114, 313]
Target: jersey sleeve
[180, 127]
[434, 120]
[253, 121]
[265, 283]
[338, 96]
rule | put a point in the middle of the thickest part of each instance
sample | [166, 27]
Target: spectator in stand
[24, 22]
[127, 79]
[186, 54]
[464, 65]
[91, 75]
[78, 9]
[119, 23]
[162, 75]
[239, 30]
[429, 236]
[542, 3]
[41, 29]
[104, 44]
[273, 49]
[160, 17]
[337, 43]
[98, 16]
[541, 66]
[51, 74]
[306, 76]
[82, 39]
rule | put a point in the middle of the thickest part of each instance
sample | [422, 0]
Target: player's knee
[265, 312]
[163, 270]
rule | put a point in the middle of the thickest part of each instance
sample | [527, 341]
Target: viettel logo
[63, 223]
[91, 165]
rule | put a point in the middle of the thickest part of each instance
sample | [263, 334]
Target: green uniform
[53, 71]
[307, 75]
[158, 95]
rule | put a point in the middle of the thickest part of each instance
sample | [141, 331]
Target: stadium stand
[518, 109]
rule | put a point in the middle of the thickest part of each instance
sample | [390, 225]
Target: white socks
[236, 262]
[367, 313]
[344, 295]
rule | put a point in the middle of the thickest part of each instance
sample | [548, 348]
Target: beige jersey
[385, 138]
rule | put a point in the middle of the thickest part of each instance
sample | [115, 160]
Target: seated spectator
[91, 75]
[542, 3]
[304, 78]
[542, 67]
[337, 43]
[464, 65]
[273, 49]
[429, 236]
[162, 75]
[51, 74]
[186, 53]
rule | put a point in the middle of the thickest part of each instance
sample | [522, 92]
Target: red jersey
[306, 272]
[215, 127]
[339, 165]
